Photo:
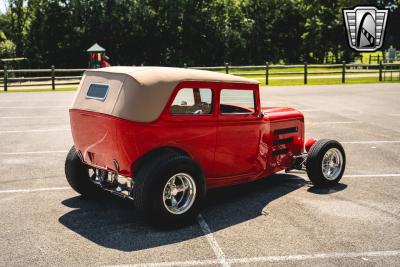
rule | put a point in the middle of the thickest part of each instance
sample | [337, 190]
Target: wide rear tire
[77, 174]
[153, 190]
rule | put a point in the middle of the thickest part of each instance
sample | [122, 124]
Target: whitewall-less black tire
[326, 162]
[169, 190]
[78, 176]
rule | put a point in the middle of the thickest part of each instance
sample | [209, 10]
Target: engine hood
[281, 113]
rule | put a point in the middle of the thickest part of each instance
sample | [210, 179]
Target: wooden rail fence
[53, 77]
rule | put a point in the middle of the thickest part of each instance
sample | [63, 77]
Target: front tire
[326, 163]
[169, 190]
[78, 177]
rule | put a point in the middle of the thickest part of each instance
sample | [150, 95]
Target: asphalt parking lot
[280, 221]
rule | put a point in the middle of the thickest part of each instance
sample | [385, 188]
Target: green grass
[365, 57]
[324, 81]
[260, 74]
[40, 90]
[300, 72]
[275, 72]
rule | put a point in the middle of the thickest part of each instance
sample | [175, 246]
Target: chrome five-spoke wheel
[332, 164]
[179, 193]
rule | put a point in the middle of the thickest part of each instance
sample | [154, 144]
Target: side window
[196, 101]
[237, 101]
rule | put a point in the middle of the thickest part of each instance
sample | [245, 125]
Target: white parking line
[334, 122]
[33, 107]
[33, 152]
[303, 257]
[304, 175]
[169, 264]
[372, 175]
[288, 258]
[211, 240]
[34, 190]
[204, 226]
[34, 131]
[310, 110]
[371, 142]
[33, 117]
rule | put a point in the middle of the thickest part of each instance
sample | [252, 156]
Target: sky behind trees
[2, 6]
[174, 32]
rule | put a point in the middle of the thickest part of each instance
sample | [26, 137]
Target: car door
[192, 122]
[238, 133]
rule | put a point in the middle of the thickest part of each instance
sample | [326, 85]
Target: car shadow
[112, 222]
[329, 190]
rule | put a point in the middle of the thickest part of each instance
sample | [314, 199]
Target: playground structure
[97, 57]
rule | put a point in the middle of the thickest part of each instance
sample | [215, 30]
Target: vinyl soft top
[141, 93]
[150, 75]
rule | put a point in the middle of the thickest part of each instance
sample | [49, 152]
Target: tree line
[174, 32]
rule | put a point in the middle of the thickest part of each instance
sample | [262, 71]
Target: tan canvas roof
[141, 93]
[151, 75]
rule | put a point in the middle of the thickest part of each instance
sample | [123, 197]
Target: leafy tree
[174, 32]
[7, 47]
[52, 39]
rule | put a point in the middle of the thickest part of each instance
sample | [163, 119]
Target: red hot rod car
[163, 136]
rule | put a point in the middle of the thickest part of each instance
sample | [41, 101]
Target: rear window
[97, 91]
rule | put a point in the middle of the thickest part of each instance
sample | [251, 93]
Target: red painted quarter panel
[102, 138]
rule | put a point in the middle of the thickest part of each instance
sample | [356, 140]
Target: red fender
[310, 142]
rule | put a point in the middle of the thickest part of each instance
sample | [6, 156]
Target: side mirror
[260, 115]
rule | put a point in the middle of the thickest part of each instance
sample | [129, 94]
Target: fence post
[185, 65]
[305, 72]
[369, 61]
[380, 70]
[266, 73]
[227, 68]
[5, 78]
[378, 58]
[343, 71]
[53, 79]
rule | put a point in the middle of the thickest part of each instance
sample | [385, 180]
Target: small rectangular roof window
[97, 91]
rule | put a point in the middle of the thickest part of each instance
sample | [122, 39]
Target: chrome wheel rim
[332, 164]
[179, 193]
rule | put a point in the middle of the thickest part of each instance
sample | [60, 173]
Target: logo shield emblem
[365, 27]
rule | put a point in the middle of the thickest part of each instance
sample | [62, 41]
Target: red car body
[230, 148]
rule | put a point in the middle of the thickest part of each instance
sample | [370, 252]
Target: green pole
[266, 73]
[380, 71]
[227, 68]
